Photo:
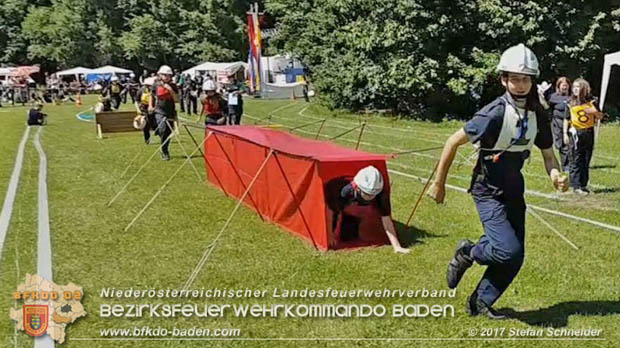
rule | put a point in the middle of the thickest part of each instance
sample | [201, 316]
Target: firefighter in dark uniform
[36, 117]
[112, 92]
[558, 101]
[504, 132]
[365, 189]
[164, 95]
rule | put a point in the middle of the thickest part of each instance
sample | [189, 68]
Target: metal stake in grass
[148, 204]
[417, 203]
[359, 138]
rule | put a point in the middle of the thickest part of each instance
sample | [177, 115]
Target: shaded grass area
[557, 286]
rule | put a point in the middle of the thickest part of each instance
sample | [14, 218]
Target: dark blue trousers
[502, 247]
[581, 148]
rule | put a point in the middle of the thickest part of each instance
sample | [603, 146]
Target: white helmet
[519, 60]
[209, 85]
[132, 75]
[369, 180]
[164, 69]
[114, 78]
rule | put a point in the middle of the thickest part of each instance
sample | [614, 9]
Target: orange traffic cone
[78, 100]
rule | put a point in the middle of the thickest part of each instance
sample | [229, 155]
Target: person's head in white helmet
[114, 79]
[519, 67]
[368, 183]
[165, 73]
[210, 88]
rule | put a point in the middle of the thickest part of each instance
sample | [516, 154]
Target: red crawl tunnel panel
[289, 190]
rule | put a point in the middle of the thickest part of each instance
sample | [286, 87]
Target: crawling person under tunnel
[345, 194]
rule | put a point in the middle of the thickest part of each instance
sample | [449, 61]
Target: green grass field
[558, 286]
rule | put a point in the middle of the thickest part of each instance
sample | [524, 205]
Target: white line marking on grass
[553, 229]
[549, 211]
[9, 198]
[577, 218]
[44, 248]
[608, 157]
[282, 107]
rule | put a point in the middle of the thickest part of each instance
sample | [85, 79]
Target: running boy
[504, 132]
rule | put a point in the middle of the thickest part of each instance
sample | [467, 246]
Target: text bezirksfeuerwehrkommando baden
[327, 310]
[227, 293]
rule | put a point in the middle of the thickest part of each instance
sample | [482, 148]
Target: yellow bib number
[579, 118]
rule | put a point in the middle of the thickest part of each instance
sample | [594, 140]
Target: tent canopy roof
[231, 67]
[287, 143]
[612, 58]
[75, 71]
[109, 69]
[23, 70]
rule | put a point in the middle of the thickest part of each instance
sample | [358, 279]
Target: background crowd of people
[155, 98]
[574, 115]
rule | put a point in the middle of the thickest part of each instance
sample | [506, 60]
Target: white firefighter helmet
[519, 60]
[369, 180]
[165, 69]
[209, 85]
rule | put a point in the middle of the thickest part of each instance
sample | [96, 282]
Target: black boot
[476, 307]
[460, 263]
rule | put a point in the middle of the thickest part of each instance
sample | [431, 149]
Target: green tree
[437, 58]
[13, 44]
[61, 34]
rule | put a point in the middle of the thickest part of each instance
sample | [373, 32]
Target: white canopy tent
[75, 71]
[5, 73]
[610, 60]
[109, 69]
[219, 71]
